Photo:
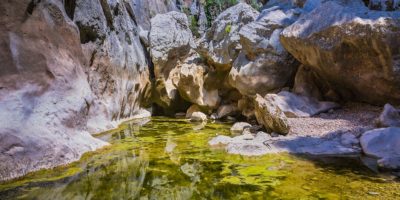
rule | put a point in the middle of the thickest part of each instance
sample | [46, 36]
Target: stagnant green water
[170, 159]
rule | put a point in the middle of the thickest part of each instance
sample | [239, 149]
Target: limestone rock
[383, 144]
[198, 117]
[170, 41]
[143, 10]
[341, 41]
[116, 63]
[390, 116]
[220, 45]
[270, 116]
[44, 92]
[191, 110]
[246, 106]
[192, 75]
[239, 127]
[294, 105]
[263, 65]
[220, 140]
[306, 83]
[227, 110]
[263, 143]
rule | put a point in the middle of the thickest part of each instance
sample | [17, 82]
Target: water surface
[170, 159]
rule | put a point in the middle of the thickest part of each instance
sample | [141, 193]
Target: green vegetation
[170, 159]
[228, 28]
[194, 26]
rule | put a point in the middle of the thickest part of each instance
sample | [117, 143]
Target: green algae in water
[170, 159]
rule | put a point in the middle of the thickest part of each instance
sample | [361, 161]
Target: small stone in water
[373, 193]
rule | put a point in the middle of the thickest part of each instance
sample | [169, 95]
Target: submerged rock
[390, 116]
[341, 42]
[294, 105]
[271, 116]
[383, 144]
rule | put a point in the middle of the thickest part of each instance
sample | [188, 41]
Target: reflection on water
[170, 159]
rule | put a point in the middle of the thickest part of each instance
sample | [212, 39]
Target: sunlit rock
[299, 106]
[170, 42]
[270, 116]
[263, 65]
[352, 48]
[220, 45]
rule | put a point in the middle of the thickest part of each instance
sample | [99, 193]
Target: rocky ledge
[349, 131]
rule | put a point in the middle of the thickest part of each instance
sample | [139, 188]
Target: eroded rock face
[383, 145]
[263, 65]
[44, 95]
[117, 67]
[348, 46]
[220, 45]
[170, 42]
[270, 116]
[191, 85]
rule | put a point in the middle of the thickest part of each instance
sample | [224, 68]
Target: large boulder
[294, 105]
[270, 116]
[382, 144]
[192, 75]
[354, 49]
[170, 42]
[264, 65]
[220, 45]
[44, 93]
[390, 116]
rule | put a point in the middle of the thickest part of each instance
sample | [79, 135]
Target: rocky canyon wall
[69, 68]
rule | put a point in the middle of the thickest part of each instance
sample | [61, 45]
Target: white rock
[238, 127]
[198, 117]
[220, 140]
[294, 105]
[381, 143]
